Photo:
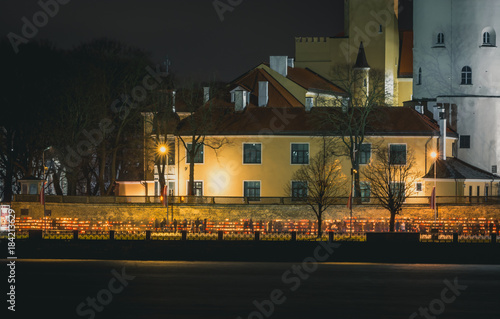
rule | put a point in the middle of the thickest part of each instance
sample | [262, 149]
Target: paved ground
[55, 288]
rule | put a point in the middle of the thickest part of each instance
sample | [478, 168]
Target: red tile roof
[278, 95]
[383, 121]
[310, 80]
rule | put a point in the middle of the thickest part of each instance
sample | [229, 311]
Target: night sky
[190, 32]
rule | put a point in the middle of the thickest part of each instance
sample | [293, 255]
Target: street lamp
[163, 151]
[43, 183]
[434, 156]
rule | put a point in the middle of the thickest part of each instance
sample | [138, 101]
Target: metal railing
[293, 236]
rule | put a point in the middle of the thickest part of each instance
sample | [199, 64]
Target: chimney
[263, 93]
[240, 102]
[442, 137]
[206, 94]
[279, 64]
[309, 103]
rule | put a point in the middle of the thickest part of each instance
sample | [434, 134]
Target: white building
[456, 62]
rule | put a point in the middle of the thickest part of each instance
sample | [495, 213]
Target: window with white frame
[466, 75]
[486, 38]
[397, 154]
[365, 191]
[440, 38]
[398, 189]
[252, 153]
[300, 153]
[198, 157]
[418, 187]
[365, 153]
[299, 190]
[252, 190]
[197, 188]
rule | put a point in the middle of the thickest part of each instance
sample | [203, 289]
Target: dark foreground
[152, 289]
[379, 252]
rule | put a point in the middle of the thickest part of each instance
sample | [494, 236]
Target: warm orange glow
[162, 149]
[434, 154]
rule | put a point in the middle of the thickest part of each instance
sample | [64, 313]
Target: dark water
[56, 288]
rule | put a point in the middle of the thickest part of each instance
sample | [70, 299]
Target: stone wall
[147, 212]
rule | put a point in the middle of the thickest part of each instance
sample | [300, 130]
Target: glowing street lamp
[163, 151]
[434, 156]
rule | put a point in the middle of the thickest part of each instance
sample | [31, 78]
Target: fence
[183, 235]
[226, 200]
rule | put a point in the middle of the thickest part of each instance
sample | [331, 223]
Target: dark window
[466, 75]
[418, 187]
[252, 153]
[365, 191]
[440, 38]
[419, 79]
[25, 212]
[486, 38]
[494, 169]
[365, 152]
[300, 153]
[465, 141]
[198, 158]
[398, 189]
[252, 191]
[397, 154]
[299, 190]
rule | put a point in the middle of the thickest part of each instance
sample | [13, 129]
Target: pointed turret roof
[361, 62]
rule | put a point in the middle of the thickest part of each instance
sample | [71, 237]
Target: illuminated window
[252, 190]
[397, 154]
[300, 153]
[198, 158]
[365, 153]
[299, 190]
[198, 189]
[252, 153]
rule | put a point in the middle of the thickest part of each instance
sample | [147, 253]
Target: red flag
[349, 201]
[42, 193]
[433, 198]
[164, 194]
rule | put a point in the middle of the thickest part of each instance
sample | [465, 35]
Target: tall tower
[457, 64]
[361, 73]
[372, 22]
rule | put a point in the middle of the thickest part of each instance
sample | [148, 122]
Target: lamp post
[163, 150]
[434, 155]
[43, 184]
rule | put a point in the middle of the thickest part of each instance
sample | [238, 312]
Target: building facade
[375, 24]
[456, 63]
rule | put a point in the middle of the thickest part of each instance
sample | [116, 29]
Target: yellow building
[375, 24]
[273, 119]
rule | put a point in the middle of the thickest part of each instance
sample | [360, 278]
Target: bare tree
[364, 89]
[321, 183]
[390, 177]
[205, 117]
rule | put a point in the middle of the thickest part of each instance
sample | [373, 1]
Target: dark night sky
[188, 31]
